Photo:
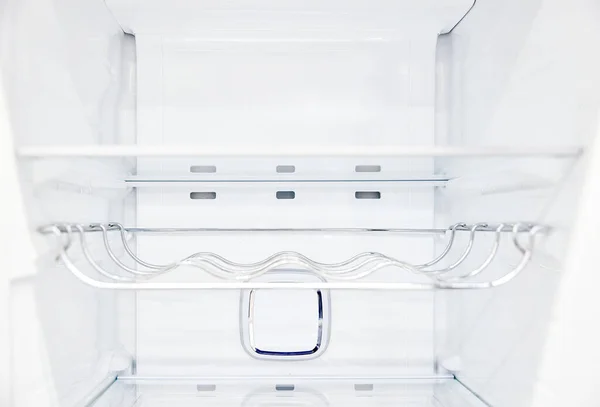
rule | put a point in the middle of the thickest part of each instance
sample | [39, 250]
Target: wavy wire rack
[342, 275]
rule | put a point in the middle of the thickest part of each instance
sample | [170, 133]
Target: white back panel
[197, 333]
[322, 90]
[243, 89]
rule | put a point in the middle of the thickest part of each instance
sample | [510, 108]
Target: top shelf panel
[157, 151]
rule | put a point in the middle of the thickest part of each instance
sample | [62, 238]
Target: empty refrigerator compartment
[299, 203]
[442, 272]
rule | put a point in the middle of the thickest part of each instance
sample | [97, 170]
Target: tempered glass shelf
[315, 392]
[295, 151]
[381, 168]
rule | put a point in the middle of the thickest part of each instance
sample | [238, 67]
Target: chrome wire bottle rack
[348, 274]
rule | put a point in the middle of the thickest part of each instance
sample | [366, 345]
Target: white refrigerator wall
[68, 70]
[567, 370]
[523, 73]
[64, 73]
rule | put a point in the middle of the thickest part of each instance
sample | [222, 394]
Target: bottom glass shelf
[288, 392]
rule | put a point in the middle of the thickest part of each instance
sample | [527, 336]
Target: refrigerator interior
[315, 132]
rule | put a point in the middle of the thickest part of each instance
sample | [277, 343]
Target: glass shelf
[357, 168]
[316, 392]
[117, 151]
